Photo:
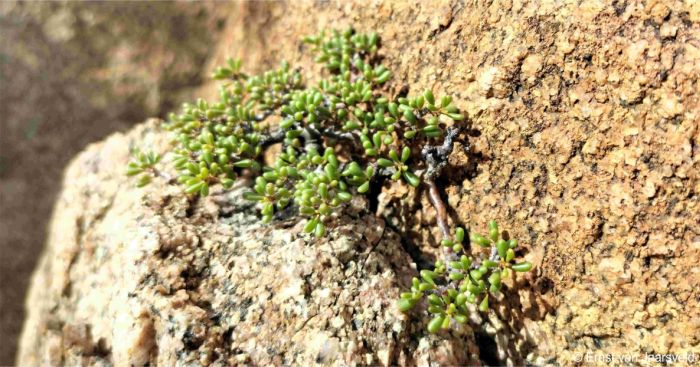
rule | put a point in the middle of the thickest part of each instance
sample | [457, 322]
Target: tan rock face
[583, 144]
[586, 129]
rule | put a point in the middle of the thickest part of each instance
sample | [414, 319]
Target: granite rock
[584, 133]
[135, 277]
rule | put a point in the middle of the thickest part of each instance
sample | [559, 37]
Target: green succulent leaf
[436, 323]
[411, 178]
[484, 305]
[523, 266]
[405, 305]
[493, 230]
[383, 162]
[479, 240]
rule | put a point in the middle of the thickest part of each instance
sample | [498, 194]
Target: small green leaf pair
[316, 227]
[144, 166]
[456, 242]
[231, 70]
[399, 166]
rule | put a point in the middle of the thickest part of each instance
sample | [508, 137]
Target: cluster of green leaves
[348, 106]
[463, 280]
[336, 137]
[313, 181]
[217, 142]
[142, 165]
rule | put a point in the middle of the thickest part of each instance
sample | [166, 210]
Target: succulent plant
[338, 138]
[216, 142]
[463, 279]
[143, 165]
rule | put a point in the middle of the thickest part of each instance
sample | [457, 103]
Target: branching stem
[273, 138]
[439, 206]
[436, 158]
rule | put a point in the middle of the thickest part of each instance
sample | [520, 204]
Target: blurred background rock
[70, 74]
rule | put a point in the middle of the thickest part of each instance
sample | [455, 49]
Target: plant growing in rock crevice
[338, 138]
[461, 279]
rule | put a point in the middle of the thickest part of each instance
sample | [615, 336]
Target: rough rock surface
[584, 139]
[585, 144]
[146, 276]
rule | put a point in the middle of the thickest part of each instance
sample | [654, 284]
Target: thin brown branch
[436, 158]
[439, 205]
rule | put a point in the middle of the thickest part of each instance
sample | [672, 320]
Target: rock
[670, 107]
[135, 277]
[583, 136]
[531, 66]
[71, 73]
[584, 147]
